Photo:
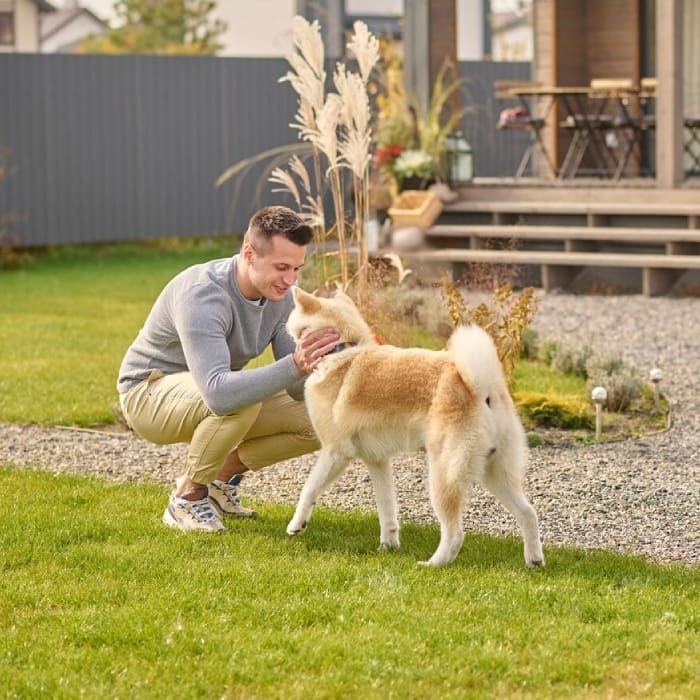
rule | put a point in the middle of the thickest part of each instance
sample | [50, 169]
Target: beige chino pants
[165, 409]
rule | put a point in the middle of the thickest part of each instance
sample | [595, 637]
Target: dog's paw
[429, 564]
[387, 546]
[535, 563]
[435, 562]
[534, 556]
[294, 529]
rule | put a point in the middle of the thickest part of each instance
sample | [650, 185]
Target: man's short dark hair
[276, 221]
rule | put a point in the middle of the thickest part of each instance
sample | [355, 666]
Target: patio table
[586, 115]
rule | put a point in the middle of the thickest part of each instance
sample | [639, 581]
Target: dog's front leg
[328, 467]
[387, 508]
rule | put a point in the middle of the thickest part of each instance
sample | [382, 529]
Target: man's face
[273, 272]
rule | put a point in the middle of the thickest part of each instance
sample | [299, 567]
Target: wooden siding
[443, 39]
[612, 39]
[580, 40]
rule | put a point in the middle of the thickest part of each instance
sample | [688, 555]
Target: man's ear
[305, 301]
[247, 253]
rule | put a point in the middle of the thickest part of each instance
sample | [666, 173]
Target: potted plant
[410, 145]
[414, 169]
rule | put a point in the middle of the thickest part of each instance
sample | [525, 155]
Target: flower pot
[415, 208]
[415, 183]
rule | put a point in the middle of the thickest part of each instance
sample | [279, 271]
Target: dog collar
[343, 346]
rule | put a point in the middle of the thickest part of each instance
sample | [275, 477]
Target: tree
[160, 27]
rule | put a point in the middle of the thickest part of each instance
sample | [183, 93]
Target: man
[181, 379]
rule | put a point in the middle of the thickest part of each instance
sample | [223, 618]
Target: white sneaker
[223, 495]
[192, 515]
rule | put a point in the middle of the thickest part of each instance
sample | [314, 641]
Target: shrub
[531, 342]
[551, 411]
[622, 384]
[571, 359]
[504, 318]
[545, 351]
[407, 316]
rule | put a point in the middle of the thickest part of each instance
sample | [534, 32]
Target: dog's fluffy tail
[474, 353]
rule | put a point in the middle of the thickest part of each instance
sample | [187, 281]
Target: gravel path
[637, 496]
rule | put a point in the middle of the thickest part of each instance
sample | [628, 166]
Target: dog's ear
[305, 301]
[344, 298]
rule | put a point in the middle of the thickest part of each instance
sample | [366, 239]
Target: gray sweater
[202, 323]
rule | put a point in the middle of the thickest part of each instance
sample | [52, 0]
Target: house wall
[443, 35]
[577, 41]
[26, 25]
[612, 39]
[260, 28]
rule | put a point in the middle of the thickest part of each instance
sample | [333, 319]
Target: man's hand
[312, 346]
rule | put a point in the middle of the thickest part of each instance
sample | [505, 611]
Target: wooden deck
[639, 239]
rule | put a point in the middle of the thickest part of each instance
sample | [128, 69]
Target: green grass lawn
[67, 320]
[99, 600]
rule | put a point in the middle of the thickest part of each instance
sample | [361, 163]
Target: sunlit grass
[100, 600]
[67, 320]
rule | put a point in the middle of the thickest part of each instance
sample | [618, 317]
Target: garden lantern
[656, 375]
[599, 396]
[460, 159]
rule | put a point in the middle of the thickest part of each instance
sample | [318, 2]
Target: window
[7, 28]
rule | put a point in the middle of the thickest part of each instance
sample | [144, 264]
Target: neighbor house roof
[44, 6]
[55, 20]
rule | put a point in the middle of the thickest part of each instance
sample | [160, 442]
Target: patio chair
[521, 117]
[600, 131]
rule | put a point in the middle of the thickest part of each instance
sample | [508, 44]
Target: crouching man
[181, 380]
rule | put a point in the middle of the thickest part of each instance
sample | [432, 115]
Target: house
[62, 29]
[20, 25]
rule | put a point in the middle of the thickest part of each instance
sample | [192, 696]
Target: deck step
[559, 269]
[561, 233]
[551, 257]
[574, 207]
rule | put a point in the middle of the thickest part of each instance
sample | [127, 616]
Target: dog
[373, 401]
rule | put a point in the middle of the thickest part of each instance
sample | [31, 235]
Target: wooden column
[430, 36]
[669, 100]
[330, 16]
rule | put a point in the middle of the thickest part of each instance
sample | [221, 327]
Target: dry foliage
[504, 318]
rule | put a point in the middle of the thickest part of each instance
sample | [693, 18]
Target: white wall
[26, 26]
[260, 28]
[374, 7]
[470, 30]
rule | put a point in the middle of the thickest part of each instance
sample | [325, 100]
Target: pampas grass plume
[365, 47]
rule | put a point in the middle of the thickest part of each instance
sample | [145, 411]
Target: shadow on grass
[130, 513]
[356, 534]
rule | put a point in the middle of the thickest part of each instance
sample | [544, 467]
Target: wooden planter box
[415, 208]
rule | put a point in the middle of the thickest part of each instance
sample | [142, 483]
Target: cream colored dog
[372, 401]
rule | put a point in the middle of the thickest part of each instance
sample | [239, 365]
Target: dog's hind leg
[508, 490]
[387, 508]
[447, 494]
[329, 466]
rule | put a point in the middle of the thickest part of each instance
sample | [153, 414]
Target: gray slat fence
[496, 153]
[113, 148]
